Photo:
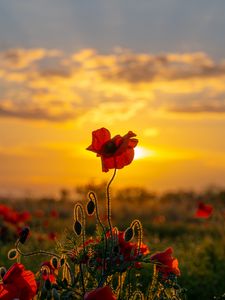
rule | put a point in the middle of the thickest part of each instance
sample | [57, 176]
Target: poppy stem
[92, 196]
[136, 223]
[82, 278]
[40, 252]
[109, 202]
[152, 289]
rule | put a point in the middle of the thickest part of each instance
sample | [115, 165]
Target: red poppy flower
[49, 272]
[115, 153]
[130, 250]
[100, 294]
[204, 210]
[169, 264]
[18, 283]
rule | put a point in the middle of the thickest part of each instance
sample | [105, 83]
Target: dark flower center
[109, 148]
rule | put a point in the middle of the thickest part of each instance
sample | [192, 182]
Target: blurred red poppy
[39, 213]
[24, 216]
[18, 283]
[52, 236]
[54, 213]
[12, 216]
[100, 294]
[204, 210]
[115, 153]
[169, 264]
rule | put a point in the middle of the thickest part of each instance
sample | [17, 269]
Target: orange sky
[52, 101]
[70, 67]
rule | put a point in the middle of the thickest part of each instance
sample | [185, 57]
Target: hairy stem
[109, 202]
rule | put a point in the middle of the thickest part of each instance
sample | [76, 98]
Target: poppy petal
[99, 138]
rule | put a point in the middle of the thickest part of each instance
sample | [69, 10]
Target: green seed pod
[77, 227]
[91, 207]
[129, 234]
[12, 254]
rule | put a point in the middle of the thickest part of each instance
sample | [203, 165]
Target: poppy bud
[2, 271]
[54, 262]
[65, 283]
[90, 207]
[12, 254]
[129, 234]
[77, 227]
[48, 284]
[62, 261]
[91, 263]
[24, 234]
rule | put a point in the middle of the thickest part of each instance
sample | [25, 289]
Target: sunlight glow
[142, 152]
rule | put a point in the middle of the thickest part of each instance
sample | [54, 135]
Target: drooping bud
[77, 227]
[91, 207]
[24, 234]
[54, 262]
[62, 261]
[12, 254]
[129, 234]
[2, 272]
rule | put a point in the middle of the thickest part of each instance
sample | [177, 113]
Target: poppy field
[114, 244]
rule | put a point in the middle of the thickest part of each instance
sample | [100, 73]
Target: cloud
[22, 58]
[41, 84]
[35, 114]
[136, 68]
[200, 109]
[113, 111]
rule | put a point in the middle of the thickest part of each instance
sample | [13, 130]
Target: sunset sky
[156, 67]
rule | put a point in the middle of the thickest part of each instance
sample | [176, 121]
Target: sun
[142, 152]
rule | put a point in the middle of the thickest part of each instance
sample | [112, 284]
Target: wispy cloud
[40, 84]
